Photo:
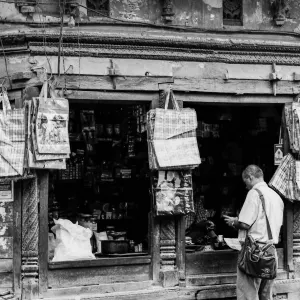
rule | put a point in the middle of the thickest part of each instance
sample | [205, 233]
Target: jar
[109, 129]
[117, 129]
[94, 226]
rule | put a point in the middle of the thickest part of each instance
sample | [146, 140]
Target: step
[152, 293]
[224, 291]
[98, 289]
[225, 278]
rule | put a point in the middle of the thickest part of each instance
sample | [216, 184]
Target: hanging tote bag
[34, 159]
[12, 139]
[172, 142]
[257, 260]
[174, 193]
[51, 129]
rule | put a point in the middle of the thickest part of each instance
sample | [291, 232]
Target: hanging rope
[62, 11]
[5, 61]
[79, 50]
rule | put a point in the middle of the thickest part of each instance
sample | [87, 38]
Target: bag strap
[261, 196]
[44, 92]
[170, 95]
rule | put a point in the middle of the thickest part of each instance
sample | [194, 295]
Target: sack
[12, 139]
[72, 241]
[173, 193]
[259, 260]
[172, 142]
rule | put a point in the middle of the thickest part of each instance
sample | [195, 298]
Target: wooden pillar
[168, 235]
[30, 239]
[168, 270]
[43, 187]
[288, 213]
[30, 228]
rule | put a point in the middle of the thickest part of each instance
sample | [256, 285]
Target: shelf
[73, 181]
[101, 262]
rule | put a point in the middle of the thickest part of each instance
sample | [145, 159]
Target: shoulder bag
[259, 260]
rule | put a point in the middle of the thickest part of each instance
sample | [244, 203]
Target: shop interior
[230, 137]
[105, 186]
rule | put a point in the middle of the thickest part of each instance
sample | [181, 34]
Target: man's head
[252, 175]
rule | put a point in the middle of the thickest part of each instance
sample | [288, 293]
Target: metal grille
[232, 12]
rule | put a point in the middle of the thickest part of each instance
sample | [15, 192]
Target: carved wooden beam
[168, 13]
[112, 73]
[274, 78]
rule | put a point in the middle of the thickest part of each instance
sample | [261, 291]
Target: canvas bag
[52, 119]
[12, 139]
[172, 142]
[34, 160]
[257, 260]
[174, 193]
[284, 179]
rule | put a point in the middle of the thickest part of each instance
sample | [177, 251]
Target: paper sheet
[233, 244]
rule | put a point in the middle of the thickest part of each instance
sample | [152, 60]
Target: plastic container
[112, 247]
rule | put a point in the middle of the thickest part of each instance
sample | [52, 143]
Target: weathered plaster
[252, 14]
[214, 3]
[10, 12]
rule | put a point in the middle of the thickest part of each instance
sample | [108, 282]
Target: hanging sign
[6, 191]
[278, 154]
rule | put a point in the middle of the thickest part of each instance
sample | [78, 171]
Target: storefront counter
[98, 271]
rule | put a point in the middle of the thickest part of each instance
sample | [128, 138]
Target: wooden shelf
[101, 262]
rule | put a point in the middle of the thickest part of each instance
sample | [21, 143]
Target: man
[252, 220]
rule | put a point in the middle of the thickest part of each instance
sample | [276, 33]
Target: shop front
[105, 188]
[106, 185]
[230, 136]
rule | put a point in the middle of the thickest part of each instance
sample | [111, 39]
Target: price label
[6, 191]
[278, 154]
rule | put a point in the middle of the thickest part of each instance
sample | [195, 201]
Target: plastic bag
[72, 241]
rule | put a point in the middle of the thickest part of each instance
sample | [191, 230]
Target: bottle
[131, 246]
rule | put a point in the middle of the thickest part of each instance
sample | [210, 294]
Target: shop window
[98, 8]
[105, 186]
[233, 12]
[229, 139]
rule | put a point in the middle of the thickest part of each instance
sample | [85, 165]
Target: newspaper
[233, 244]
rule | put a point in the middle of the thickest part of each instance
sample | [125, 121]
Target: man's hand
[234, 222]
[229, 220]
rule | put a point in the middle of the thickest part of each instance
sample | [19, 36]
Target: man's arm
[234, 222]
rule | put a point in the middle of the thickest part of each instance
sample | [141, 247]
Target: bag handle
[44, 91]
[5, 101]
[261, 196]
[170, 94]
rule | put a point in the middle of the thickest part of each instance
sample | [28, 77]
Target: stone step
[210, 279]
[72, 292]
[153, 293]
[220, 279]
